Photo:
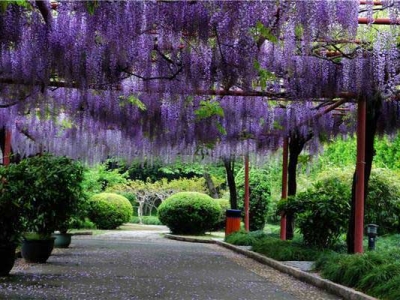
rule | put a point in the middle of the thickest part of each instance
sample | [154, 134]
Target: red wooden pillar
[284, 184]
[7, 148]
[246, 193]
[360, 171]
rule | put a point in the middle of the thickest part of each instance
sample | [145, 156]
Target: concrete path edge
[337, 289]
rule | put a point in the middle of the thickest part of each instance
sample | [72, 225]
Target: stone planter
[37, 251]
[62, 240]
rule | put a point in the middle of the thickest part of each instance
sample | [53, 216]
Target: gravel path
[142, 265]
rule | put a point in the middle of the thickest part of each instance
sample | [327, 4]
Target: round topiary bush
[189, 213]
[109, 210]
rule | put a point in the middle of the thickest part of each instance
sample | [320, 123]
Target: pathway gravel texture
[143, 265]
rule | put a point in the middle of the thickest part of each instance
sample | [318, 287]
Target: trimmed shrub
[260, 196]
[189, 213]
[108, 210]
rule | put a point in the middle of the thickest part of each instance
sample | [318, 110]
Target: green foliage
[146, 220]
[284, 250]
[99, 178]
[209, 109]
[224, 204]
[322, 212]
[244, 238]
[109, 210]
[5, 3]
[265, 32]
[260, 196]
[189, 213]
[51, 191]
[382, 205]
[273, 247]
[132, 100]
[81, 223]
[11, 205]
[264, 75]
[375, 273]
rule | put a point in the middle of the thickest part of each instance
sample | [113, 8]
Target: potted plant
[51, 191]
[11, 225]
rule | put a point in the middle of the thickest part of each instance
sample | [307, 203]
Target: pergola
[170, 62]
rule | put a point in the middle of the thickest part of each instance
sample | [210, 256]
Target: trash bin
[233, 217]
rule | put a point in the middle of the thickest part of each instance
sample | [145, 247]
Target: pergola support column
[246, 193]
[284, 184]
[360, 176]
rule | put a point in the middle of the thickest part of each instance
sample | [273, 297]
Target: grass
[376, 273]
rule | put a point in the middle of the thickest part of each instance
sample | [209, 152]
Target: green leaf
[208, 109]
[266, 33]
[133, 101]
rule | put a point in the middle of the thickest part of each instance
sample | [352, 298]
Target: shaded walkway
[143, 265]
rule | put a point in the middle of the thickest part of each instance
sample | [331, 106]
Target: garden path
[141, 264]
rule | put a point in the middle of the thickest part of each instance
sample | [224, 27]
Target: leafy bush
[108, 210]
[244, 238]
[189, 213]
[322, 212]
[260, 196]
[99, 178]
[51, 191]
[224, 204]
[147, 220]
[382, 205]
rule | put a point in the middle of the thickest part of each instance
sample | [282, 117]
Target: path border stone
[337, 289]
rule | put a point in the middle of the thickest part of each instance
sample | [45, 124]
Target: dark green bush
[224, 204]
[260, 196]
[322, 212]
[108, 210]
[189, 213]
[49, 190]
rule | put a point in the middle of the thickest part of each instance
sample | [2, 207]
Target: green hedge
[108, 210]
[189, 213]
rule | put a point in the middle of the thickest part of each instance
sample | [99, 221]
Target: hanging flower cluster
[142, 78]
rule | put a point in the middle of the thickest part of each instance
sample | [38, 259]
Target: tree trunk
[296, 145]
[373, 113]
[211, 186]
[229, 164]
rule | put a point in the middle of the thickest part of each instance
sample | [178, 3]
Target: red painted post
[246, 193]
[7, 148]
[359, 205]
[284, 184]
